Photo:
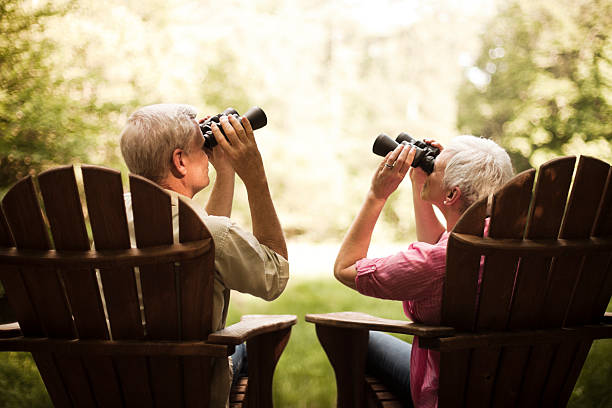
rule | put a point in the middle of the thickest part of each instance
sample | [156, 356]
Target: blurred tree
[46, 115]
[542, 85]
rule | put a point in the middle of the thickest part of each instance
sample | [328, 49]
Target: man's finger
[229, 131]
[240, 132]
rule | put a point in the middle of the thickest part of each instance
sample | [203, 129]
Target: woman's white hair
[476, 165]
[151, 135]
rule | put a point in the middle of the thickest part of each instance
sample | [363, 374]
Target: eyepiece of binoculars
[256, 116]
[425, 154]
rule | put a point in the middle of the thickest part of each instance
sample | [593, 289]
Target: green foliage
[542, 85]
[20, 383]
[46, 115]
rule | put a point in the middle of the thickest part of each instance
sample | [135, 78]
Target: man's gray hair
[151, 135]
[476, 165]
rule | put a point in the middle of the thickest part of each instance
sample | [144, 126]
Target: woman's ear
[452, 196]
[178, 168]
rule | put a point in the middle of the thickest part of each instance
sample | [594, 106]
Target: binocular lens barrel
[256, 116]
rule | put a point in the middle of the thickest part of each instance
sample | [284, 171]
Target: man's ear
[178, 168]
[453, 196]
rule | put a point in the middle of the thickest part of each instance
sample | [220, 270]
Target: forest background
[534, 75]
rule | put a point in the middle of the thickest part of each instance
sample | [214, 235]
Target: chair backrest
[62, 289]
[547, 265]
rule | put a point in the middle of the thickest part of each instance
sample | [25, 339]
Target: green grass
[304, 377]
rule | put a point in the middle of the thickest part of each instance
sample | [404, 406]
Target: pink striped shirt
[415, 276]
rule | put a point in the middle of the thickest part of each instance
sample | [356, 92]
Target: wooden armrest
[10, 330]
[607, 318]
[251, 326]
[356, 320]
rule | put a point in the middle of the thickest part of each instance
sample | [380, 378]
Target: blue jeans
[388, 360]
[239, 363]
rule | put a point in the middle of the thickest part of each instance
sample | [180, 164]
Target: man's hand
[392, 171]
[217, 157]
[241, 150]
[244, 156]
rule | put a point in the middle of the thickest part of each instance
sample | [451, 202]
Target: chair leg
[263, 352]
[346, 350]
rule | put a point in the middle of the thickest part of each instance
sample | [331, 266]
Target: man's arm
[222, 195]
[243, 154]
[357, 240]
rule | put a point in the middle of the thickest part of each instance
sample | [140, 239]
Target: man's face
[196, 162]
[433, 190]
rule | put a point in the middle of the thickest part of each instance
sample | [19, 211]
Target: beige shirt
[242, 264]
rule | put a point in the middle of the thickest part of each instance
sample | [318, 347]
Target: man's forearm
[266, 225]
[222, 195]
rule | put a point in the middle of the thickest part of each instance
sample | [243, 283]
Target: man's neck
[171, 183]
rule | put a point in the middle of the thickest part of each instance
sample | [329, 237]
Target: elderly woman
[468, 169]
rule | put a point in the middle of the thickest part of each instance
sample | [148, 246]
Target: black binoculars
[423, 158]
[255, 115]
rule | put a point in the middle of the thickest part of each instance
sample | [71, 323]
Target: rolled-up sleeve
[407, 275]
[244, 264]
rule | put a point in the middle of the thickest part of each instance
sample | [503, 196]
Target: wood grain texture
[251, 326]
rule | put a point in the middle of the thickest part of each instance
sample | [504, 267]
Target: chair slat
[19, 299]
[561, 363]
[24, 216]
[454, 369]
[76, 380]
[196, 286]
[104, 381]
[508, 219]
[585, 197]
[460, 284]
[6, 236]
[159, 285]
[106, 207]
[63, 208]
[151, 203]
[196, 371]
[52, 378]
[595, 271]
[196, 304]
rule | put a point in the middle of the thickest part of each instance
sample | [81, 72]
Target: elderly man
[164, 144]
[468, 169]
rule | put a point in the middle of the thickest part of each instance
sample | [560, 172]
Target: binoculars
[255, 115]
[423, 158]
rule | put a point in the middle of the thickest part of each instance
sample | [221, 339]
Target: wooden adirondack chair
[79, 311]
[545, 287]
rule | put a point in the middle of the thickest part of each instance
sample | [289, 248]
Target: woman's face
[433, 189]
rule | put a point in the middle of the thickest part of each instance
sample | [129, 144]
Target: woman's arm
[387, 178]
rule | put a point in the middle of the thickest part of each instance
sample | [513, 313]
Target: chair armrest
[251, 326]
[356, 320]
[607, 318]
[9, 330]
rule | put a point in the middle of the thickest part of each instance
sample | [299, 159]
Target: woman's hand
[392, 171]
[418, 175]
